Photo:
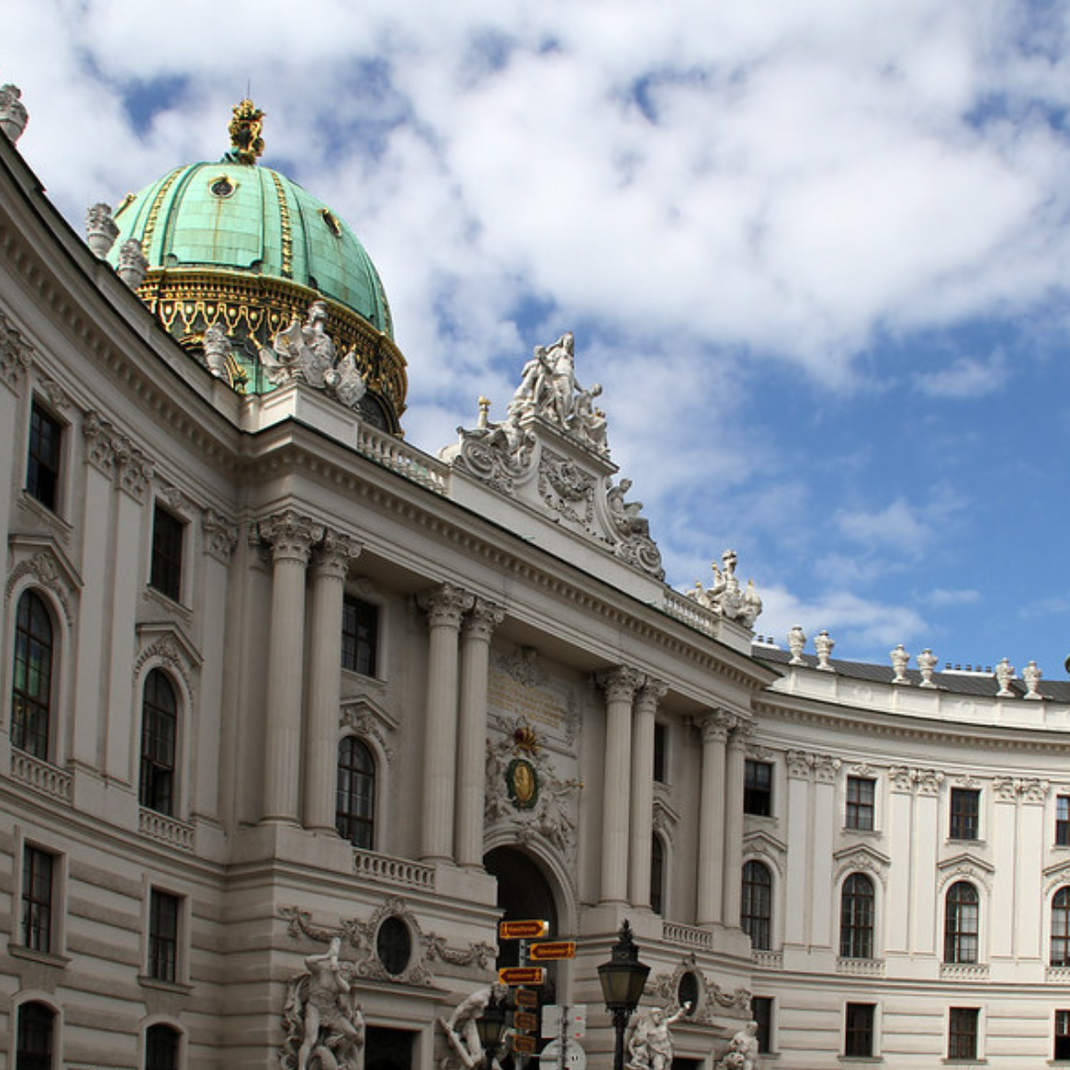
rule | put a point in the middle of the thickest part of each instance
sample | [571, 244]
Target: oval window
[688, 991]
[393, 945]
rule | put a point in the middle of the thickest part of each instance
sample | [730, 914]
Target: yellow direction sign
[552, 949]
[523, 1045]
[521, 975]
[525, 1021]
[524, 998]
[522, 930]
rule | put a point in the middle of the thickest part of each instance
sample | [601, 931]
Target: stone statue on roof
[726, 598]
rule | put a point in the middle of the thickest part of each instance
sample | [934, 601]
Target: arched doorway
[523, 893]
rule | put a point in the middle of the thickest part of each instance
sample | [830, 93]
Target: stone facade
[220, 608]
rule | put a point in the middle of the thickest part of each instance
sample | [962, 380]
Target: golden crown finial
[246, 144]
[526, 740]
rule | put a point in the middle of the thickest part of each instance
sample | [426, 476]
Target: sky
[816, 252]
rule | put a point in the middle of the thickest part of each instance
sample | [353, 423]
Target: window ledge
[165, 600]
[47, 517]
[164, 986]
[45, 958]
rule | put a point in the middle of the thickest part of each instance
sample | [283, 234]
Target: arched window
[757, 913]
[159, 730]
[355, 809]
[161, 1048]
[32, 687]
[962, 912]
[1060, 927]
[856, 917]
[657, 875]
[35, 1040]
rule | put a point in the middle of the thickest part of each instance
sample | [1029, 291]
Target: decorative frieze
[16, 355]
[220, 536]
[821, 768]
[1025, 789]
[915, 781]
[46, 572]
[113, 453]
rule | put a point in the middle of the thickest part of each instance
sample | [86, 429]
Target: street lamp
[623, 979]
[491, 1025]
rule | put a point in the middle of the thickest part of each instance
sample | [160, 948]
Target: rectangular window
[38, 869]
[962, 1033]
[661, 772]
[43, 459]
[360, 635]
[168, 534]
[1062, 1036]
[965, 814]
[858, 1030]
[761, 1011]
[758, 788]
[861, 794]
[163, 936]
[1062, 820]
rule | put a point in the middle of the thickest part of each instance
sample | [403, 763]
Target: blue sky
[817, 253]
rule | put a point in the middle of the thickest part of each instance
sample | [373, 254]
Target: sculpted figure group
[650, 1046]
[324, 1024]
[463, 1035]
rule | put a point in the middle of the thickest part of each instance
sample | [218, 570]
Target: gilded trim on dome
[187, 302]
[284, 223]
[154, 210]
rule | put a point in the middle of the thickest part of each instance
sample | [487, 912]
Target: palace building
[288, 703]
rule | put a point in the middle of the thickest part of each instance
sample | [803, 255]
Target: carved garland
[666, 986]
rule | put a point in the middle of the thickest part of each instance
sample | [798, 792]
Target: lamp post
[623, 979]
[490, 1026]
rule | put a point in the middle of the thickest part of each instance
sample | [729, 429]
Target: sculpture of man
[745, 1043]
[461, 1029]
[327, 1007]
[650, 1046]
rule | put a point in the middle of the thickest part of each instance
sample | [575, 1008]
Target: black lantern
[491, 1025]
[623, 979]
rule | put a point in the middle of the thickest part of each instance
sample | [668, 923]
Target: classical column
[733, 828]
[472, 733]
[330, 565]
[445, 607]
[291, 538]
[642, 802]
[620, 687]
[715, 727]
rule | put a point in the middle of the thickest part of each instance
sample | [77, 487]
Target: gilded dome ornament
[246, 144]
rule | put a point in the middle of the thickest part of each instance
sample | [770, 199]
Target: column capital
[621, 682]
[651, 692]
[482, 619]
[445, 605]
[290, 535]
[334, 554]
[742, 732]
[716, 726]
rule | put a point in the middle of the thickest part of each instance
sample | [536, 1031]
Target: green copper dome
[247, 218]
[242, 248]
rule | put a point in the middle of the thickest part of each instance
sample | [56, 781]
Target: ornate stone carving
[823, 644]
[13, 114]
[926, 665]
[323, 1022]
[290, 535]
[482, 619]
[796, 644]
[711, 997]
[57, 396]
[100, 229]
[16, 356]
[524, 790]
[335, 552]
[305, 353]
[716, 726]
[220, 536]
[1004, 676]
[917, 781]
[523, 666]
[620, 683]
[133, 266]
[822, 768]
[726, 598]
[47, 573]
[1011, 789]
[1032, 675]
[446, 605]
[168, 649]
[114, 454]
[362, 717]
[551, 452]
[900, 661]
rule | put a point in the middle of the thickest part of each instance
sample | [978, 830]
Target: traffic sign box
[521, 975]
[525, 1021]
[552, 949]
[522, 930]
[523, 1045]
[524, 998]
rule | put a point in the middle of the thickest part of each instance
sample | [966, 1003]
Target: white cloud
[966, 378]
